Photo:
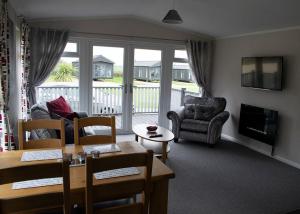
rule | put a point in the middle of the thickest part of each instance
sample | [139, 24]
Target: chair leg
[134, 199]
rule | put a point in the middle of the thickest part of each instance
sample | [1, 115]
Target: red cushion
[59, 106]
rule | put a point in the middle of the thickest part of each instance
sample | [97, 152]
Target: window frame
[180, 60]
[72, 54]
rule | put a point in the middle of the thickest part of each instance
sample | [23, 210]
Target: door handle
[125, 88]
[131, 88]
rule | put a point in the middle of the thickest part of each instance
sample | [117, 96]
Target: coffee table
[141, 131]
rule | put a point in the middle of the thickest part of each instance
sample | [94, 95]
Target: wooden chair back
[37, 202]
[94, 139]
[124, 188]
[27, 126]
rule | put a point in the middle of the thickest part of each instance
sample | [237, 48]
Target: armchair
[200, 119]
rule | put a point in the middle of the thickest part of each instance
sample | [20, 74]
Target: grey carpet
[230, 178]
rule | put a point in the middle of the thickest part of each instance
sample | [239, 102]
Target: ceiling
[218, 18]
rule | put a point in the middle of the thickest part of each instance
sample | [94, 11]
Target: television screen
[258, 123]
[262, 72]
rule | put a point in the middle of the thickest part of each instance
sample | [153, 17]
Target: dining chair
[94, 139]
[30, 125]
[119, 187]
[39, 201]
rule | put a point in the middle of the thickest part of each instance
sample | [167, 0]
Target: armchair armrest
[176, 117]
[82, 114]
[215, 127]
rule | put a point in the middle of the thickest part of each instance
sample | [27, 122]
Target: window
[71, 47]
[183, 82]
[64, 79]
[181, 55]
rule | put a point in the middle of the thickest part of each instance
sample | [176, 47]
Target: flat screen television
[258, 123]
[262, 72]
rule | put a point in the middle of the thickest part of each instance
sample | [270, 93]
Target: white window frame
[72, 54]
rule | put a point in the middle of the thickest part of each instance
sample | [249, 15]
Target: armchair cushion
[189, 111]
[39, 111]
[195, 125]
[218, 103]
[203, 112]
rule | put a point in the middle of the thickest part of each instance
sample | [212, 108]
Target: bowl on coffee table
[151, 129]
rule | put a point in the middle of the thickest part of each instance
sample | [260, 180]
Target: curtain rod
[182, 42]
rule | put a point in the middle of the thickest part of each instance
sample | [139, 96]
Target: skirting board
[276, 157]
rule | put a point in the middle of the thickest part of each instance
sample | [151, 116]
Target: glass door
[108, 82]
[145, 87]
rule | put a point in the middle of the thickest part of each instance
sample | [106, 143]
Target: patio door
[145, 85]
[126, 82]
[108, 86]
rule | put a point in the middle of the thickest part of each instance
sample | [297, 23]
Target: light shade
[172, 17]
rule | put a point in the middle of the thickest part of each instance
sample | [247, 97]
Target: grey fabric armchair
[200, 119]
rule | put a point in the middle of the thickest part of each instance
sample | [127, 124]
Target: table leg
[136, 138]
[159, 197]
[164, 151]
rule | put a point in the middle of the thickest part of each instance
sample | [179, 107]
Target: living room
[240, 173]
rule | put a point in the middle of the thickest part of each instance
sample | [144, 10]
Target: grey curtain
[47, 46]
[200, 56]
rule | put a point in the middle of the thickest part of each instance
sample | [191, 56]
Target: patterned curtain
[5, 132]
[25, 54]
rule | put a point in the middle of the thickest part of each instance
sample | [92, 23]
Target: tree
[63, 72]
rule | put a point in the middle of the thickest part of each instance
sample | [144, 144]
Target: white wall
[226, 82]
[122, 26]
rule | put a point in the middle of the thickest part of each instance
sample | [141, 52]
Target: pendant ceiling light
[172, 16]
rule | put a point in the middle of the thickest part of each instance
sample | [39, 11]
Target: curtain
[199, 56]
[5, 131]
[25, 61]
[47, 47]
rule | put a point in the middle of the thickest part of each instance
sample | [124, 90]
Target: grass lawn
[189, 86]
[118, 80]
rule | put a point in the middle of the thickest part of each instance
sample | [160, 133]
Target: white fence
[70, 93]
[108, 100]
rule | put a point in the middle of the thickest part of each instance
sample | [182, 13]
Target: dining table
[161, 174]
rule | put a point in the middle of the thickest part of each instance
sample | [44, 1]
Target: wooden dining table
[161, 174]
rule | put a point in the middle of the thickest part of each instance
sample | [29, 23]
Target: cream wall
[226, 82]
